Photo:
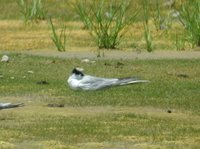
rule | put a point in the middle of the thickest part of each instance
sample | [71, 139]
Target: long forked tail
[126, 81]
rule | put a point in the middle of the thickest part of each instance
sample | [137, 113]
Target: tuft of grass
[32, 11]
[157, 19]
[189, 17]
[147, 32]
[180, 43]
[80, 9]
[58, 40]
[106, 21]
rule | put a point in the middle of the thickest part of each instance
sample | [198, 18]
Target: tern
[79, 81]
[10, 105]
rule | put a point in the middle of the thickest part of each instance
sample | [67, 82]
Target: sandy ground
[116, 54]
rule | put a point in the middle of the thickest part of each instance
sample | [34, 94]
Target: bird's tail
[17, 105]
[126, 81]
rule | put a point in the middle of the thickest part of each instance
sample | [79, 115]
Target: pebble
[30, 71]
[5, 58]
[87, 61]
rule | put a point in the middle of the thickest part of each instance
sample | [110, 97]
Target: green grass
[60, 9]
[58, 40]
[33, 11]
[107, 21]
[120, 117]
[190, 21]
[165, 87]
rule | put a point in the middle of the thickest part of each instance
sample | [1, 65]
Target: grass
[164, 113]
[106, 23]
[147, 32]
[120, 117]
[190, 20]
[15, 35]
[58, 40]
[32, 11]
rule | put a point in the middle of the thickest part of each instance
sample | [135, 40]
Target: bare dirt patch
[92, 53]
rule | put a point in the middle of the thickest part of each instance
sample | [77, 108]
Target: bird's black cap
[77, 72]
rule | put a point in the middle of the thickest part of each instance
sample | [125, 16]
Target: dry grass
[14, 35]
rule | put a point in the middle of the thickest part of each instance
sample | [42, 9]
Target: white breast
[73, 82]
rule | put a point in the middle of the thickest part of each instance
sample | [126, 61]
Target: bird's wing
[94, 83]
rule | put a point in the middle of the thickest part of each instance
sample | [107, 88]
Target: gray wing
[95, 83]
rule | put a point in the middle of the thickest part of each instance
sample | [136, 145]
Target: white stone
[5, 58]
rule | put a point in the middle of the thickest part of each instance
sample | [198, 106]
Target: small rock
[30, 72]
[169, 111]
[87, 61]
[1, 75]
[181, 75]
[12, 78]
[56, 105]
[42, 82]
[5, 58]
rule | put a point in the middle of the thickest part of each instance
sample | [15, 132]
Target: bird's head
[78, 71]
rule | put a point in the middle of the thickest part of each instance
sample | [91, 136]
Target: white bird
[10, 105]
[5, 58]
[78, 80]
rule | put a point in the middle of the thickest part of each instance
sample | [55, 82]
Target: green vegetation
[147, 32]
[102, 24]
[58, 40]
[32, 11]
[180, 43]
[166, 88]
[157, 18]
[164, 113]
[189, 16]
[106, 21]
[160, 114]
